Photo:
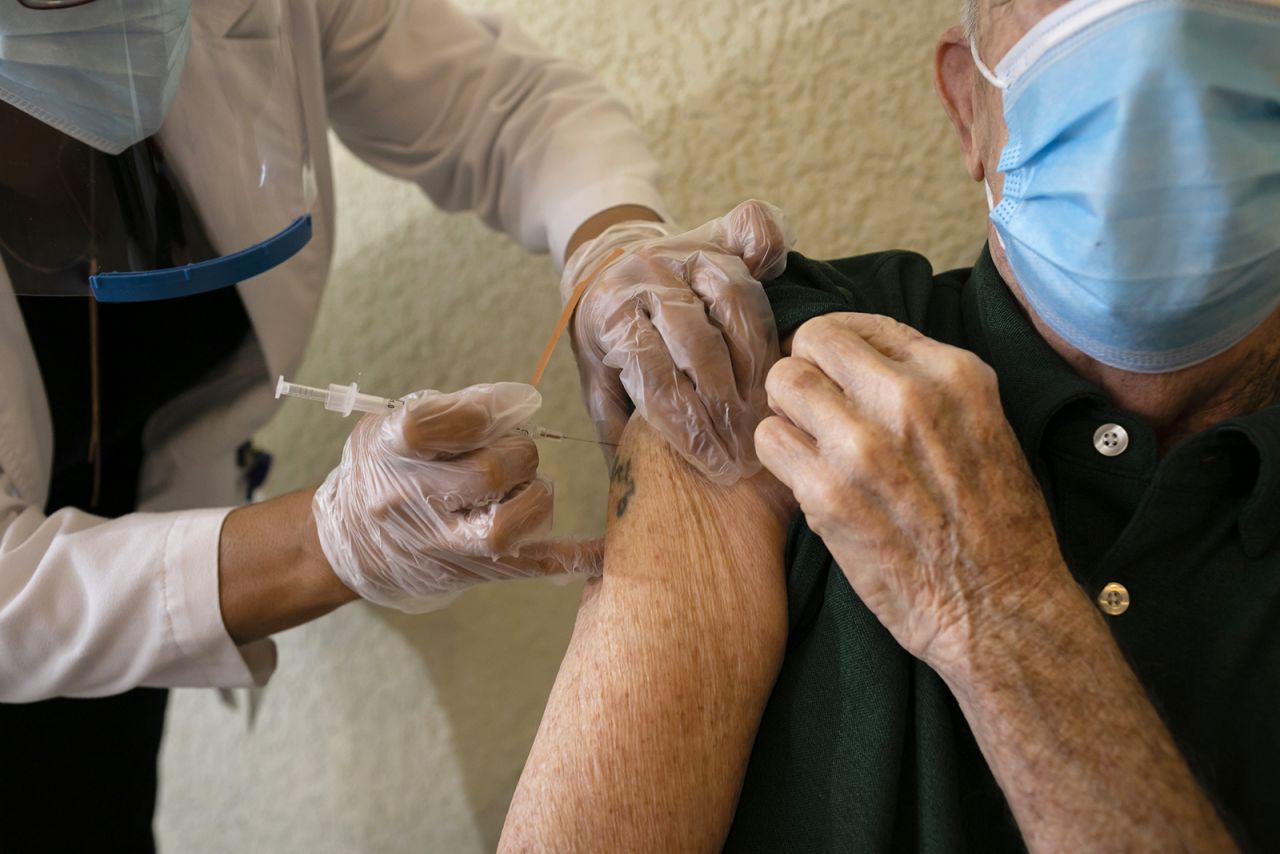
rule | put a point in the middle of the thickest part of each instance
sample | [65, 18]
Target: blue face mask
[104, 73]
[1141, 203]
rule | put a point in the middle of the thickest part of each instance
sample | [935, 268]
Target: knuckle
[891, 326]
[498, 537]
[488, 472]
[781, 376]
[805, 376]
[811, 493]
[913, 401]
[964, 367]
[812, 332]
[906, 395]
[766, 433]
[524, 516]
[520, 452]
[379, 512]
[830, 495]
[882, 323]
[967, 376]
[769, 438]
[819, 500]
[531, 456]
[888, 334]
[859, 454]
[878, 325]
[983, 374]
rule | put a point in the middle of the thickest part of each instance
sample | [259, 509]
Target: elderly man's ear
[954, 75]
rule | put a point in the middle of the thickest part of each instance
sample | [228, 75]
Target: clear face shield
[148, 150]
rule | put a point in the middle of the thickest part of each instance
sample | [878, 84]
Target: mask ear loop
[1001, 85]
[985, 70]
[570, 306]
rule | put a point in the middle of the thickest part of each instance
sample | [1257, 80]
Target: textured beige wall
[382, 732]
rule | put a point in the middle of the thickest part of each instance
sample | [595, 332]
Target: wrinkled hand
[680, 325]
[441, 495]
[898, 451]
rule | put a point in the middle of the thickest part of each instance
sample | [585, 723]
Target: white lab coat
[463, 105]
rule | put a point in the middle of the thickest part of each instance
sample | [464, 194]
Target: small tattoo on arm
[620, 475]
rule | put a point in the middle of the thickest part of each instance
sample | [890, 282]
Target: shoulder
[900, 284]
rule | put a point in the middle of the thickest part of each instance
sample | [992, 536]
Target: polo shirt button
[1111, 440]
[1114, 599]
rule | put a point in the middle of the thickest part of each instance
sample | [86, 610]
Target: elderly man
[1033, 598]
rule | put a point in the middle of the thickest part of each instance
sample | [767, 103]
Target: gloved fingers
[699, 350]
[481, 477]
[699, 379]
[524, 516]
[607, 402]
[426, 548]
[562, 558]
[738, 307]
[434, 424]
[761, 236]
[541, 559]
[667, 398]
[500, 528]
[416, 495]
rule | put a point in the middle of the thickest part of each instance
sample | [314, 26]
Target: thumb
[606, 400]
[609, 407]
[759, 233]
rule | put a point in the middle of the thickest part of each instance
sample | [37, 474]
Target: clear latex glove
[441, 495]
[679, 325]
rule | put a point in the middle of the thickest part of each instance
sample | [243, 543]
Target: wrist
[272, 573]
[1015, 630]
[601, 222]
[580, 263]
[315, 566]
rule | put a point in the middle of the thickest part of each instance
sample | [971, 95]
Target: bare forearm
[272, 574]
[647, 731]
[1080, 753]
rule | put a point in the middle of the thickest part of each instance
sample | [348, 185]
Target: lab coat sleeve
[481, 118]
[92, 607]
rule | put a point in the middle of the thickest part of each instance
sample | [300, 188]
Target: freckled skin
[925, 501]
[644, 743]
[899, 453]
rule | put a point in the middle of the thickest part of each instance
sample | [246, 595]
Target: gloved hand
[441, 495]
[679, 325]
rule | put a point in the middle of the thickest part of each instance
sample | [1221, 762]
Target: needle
[535, 432]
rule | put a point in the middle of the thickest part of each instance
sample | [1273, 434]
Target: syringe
[338, 398]
[347, 399]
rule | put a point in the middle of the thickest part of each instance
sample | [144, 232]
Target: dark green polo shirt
[862, 747]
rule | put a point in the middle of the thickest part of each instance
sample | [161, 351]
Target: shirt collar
[1260, 519]
[1036, 384]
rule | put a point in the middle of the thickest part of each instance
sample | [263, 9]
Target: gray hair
[969, 19]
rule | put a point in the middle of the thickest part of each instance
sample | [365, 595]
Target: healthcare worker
[166, 228]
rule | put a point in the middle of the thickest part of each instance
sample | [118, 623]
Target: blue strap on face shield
[207, 275]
